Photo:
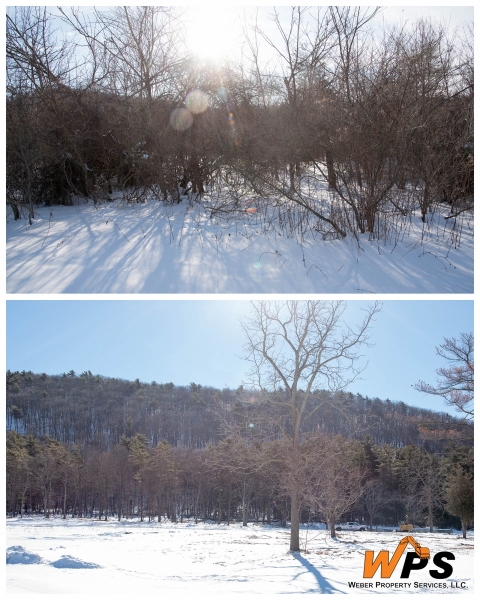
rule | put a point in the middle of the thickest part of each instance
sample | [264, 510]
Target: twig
[114, 222]
[314, 265]
[48, 231]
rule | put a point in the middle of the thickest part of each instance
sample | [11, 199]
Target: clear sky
[200, 341]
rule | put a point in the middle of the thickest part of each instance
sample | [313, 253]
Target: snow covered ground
[158, 248]
[100, 558]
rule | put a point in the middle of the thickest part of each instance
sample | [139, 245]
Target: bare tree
[293, 345]
[45, 469]
[136, 48]
[348, 21]
[36, 59]
[455, 382]
[38, 67]
[375, 496]
[339, 480]
[301, 46]
[422, 483]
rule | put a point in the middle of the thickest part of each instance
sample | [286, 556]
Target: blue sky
[201, 341]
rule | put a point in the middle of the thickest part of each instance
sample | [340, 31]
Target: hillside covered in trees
[89, 409]
[87, 445]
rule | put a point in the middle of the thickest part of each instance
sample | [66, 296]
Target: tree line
[352, 131]
[241, 470]
[240, 480]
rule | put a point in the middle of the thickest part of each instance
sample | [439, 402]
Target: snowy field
[101, 558]
[158, 248]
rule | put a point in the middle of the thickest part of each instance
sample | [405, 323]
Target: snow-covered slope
[158, 248]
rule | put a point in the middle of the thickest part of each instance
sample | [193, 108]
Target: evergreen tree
[459, 497]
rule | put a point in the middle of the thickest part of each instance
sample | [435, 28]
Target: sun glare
[212, 32]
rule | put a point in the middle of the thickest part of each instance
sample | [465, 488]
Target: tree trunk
[332, 178]
[24, 493]
[425, 202]
[229, 504]
[291, 172]
[120, 505]
[219, 516]
[244, 507]
[370, 214]
[15, 209]
[196, 503]
[295, 521]
[430, 517]
[333, 533]
[46, 512]
[65, 499]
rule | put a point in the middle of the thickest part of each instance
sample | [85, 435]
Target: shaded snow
[158, 248]
[209, 559]
[17, 555]
[70, 562]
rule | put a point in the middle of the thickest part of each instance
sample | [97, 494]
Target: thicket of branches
[87, 446]
[350, 131]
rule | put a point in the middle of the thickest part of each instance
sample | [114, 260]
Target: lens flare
[196, 102]
[181, 119]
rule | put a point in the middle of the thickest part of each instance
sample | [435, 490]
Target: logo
[414, 561]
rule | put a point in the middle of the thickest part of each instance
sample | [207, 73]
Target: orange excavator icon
[422, 551]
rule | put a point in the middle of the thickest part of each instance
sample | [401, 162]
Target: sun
[212, 32]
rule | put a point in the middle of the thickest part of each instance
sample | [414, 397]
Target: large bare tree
[294, 346]
[455, 381]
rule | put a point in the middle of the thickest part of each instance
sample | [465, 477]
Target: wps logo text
[414, 561]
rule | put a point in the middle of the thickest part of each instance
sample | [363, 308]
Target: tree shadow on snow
[324, 586]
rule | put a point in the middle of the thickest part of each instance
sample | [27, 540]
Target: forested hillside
[87, 445]
[88, 409]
